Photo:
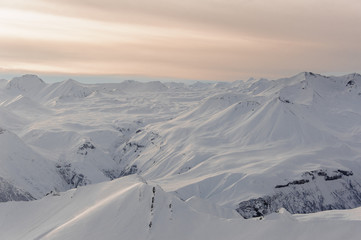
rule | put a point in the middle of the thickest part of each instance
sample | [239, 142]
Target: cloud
[261, 18]
[220, 40]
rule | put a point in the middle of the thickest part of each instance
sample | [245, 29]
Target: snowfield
[130, 208]
[261, 159]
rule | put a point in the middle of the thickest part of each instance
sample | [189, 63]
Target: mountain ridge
[255, 146]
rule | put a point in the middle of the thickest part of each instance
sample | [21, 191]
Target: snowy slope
[254, 146]
[130, 208]
[24, 169]
[27, 85]
[68, 89]
[10, 120]
[233, 148]
[3, 83]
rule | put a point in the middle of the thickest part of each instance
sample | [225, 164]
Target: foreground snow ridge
[129, 208]
[153, 160]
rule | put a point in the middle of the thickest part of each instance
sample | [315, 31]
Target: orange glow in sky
[198, 39]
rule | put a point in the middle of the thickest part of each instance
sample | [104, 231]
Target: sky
[189, 39]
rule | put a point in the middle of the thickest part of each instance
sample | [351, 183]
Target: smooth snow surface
[123, 209]
[207, 149]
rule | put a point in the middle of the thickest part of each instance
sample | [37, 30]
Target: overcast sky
[188, 39]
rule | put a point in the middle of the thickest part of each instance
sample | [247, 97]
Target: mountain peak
[70, 81]
[27, 83]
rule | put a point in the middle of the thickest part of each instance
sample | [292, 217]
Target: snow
[26, 84]
[65, 90]
[204, 147]
[24, 168]
[123, 209]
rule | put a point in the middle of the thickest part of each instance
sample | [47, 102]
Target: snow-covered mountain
[66, 89]
[24, 173]
[28, 85]
[131, 208]
[218, 151]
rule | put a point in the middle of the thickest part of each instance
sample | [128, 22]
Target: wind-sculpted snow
[131, 208]
[241, 145]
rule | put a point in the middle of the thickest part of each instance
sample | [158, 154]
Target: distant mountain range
[215, 153]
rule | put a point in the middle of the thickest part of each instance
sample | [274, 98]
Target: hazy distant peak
[353, 76]
[26, 83]
[69, 88]
[29, 85]
[71, 81]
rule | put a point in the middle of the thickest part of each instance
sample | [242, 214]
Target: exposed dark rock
[132, 170]
[350, 83]
[129, 150]
[123, 130]
[284, 100]
[296, 182]
[334, 177]
[256, 207]
[132, 145]
[53, 193]
[328, 175]
[321, 173]
[86, 145]
[71, 177]
[77, 179]
[83, 149]
[111, 174]
[346, 173]
[319, 190]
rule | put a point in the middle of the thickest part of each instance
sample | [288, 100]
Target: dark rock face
[85, 147]
[284, 100]
[71, 177]
[111, 173]
[296, 182]
[130, 150]
[132, 145]
[9, 192]
[318, 190]
[350, 83]
[132, 170]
